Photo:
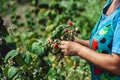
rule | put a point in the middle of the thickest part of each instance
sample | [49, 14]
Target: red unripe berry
[55, 45]
[70, 23]
[66, 30]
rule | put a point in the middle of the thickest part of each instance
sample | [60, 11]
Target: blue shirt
[105, 39]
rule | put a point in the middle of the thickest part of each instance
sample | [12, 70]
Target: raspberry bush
[30, 33]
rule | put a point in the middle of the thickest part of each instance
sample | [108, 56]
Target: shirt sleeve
[116, 37]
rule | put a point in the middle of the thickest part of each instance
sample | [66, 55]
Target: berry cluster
[62, 32]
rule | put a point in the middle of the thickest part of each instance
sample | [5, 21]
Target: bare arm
[83, 42]
[110, 62]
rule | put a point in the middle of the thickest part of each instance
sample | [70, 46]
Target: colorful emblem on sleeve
[94, 44]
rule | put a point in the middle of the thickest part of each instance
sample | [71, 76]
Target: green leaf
[19, 59]
[5, 70]
[41, 51]
[75, 58]
[28, 58]
[48, 61]
[19, 79]
[35, 46]
[29, 44]
[12, 71]
[49, 28]
[11, 55]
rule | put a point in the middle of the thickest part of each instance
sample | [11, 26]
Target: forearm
[102, 60]
[83, 42]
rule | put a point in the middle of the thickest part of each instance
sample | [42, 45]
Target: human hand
[76, 39]
[69, 48]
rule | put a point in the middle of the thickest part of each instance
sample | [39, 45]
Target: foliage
[41, 21]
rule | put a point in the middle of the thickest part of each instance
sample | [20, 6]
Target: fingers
[62, 46]
[63, 42]
[63, 50]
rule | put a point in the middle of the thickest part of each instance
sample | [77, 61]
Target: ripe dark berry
[77, 30]
[70, 23]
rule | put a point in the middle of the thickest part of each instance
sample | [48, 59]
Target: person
[102, 50]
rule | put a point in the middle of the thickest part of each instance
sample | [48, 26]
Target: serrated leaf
[48, 61]
[41, 51]
[12, 71]
[35, 45]
[28, 58]
[11, 55]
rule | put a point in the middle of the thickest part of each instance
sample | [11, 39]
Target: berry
[77, 30]
[50, 40]
[62, 38]
[55, 45]
[70, 23]
[71, 31]
[66, 30]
